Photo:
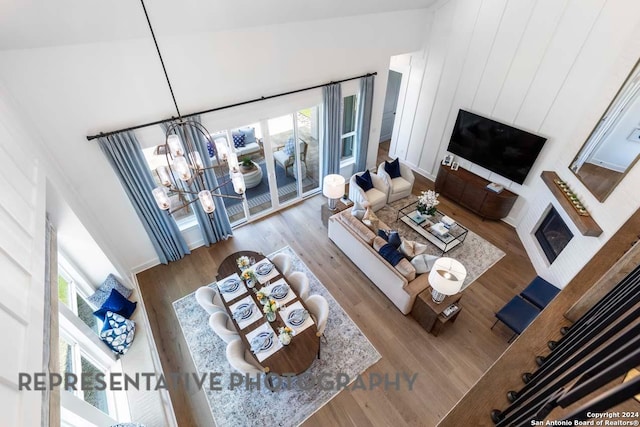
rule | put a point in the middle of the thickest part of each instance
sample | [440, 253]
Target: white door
[22, 256]
[390, 104]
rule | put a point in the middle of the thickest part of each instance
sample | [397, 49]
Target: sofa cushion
[407, 270]
[358, 210]
[117, 332]
[290, 147]
[360, 230]
[423, 263]
[249, 135]
[411, 248]
[378, 242]
[238, 139]
[370, 220]
[392, 168]
[400, 185]
[391, 254]
[391, 236]
[116, 303]
[364, 181]
[376, 197]
[102, 293]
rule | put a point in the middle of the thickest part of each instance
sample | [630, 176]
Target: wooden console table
[470, 191]
[429, 314]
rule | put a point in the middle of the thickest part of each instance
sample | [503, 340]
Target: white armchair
[223, 326]
[241, 360]
[300, 284]
[375, 197]
[398, 187]
[209, 299]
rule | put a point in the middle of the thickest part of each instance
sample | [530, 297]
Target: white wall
[549, 67]
[70, 91]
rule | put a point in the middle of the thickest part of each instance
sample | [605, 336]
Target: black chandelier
[184, 174]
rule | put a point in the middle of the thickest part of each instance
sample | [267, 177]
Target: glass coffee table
[431, 227]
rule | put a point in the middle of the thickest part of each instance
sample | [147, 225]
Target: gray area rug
[346, 350]
[476, 254]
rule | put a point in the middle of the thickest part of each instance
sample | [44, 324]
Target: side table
[326, 213]
[429, 314]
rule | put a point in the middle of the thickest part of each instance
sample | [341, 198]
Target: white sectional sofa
[356, 240]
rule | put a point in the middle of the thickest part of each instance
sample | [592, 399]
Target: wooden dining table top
[294, 358]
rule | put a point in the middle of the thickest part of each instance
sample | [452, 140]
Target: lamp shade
[182, 168]
[447, 276]
[175, 147]
[163, 175]
[206, 200]
[333, 186]
[238, 182]
[196, 160]
[161, 197]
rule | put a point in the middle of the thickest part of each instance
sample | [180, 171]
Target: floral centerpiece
[261, 295]
[427, 202]
[284, 335]
[249, 277]
[270, 309]
[243, 262]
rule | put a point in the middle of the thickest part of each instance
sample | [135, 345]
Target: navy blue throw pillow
[238, 139]
[391, 236]
[391, 254]
[364, 181]
[393, 168]
[116, 303]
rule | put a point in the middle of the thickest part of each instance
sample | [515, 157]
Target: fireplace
[553, 235]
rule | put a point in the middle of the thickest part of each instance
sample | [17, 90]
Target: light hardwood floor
[447, 365]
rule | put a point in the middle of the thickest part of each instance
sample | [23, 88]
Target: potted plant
[246, 164]
[427, 202]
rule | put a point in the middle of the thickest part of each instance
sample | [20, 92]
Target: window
[75, 360]
[80, 350]
[74, 297]
[349, 117]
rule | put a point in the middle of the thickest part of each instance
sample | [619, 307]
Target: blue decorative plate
[297, 317]
[243, 312]
[262, 341]
[229, 285]
[264, 269]
[280, 291]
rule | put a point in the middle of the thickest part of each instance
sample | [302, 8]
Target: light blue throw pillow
[249, 134]
[102, 293]
[290, 147]
[358, 210]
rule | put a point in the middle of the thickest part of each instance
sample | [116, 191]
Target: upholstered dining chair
[319, 309]
[400, 186]
[283, 263]
[376, 197]
[300, 284]
[240, 360]
[223, 326]
[209, 299]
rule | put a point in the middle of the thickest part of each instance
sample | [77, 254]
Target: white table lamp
[333, 189]
[446, 278]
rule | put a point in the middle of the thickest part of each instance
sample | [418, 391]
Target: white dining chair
[300, 284]
[319, 310]
[283, 263]
[209, 299]
[240, 360]
[223, 326]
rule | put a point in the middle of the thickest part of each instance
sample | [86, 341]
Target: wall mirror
[614, 145]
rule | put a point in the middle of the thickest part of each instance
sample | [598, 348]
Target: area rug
[476, 254]
[346, 350]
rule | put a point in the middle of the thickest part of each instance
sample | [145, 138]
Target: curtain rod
[237, 104]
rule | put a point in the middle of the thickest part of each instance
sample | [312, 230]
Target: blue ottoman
[539, 292]
[517, 314]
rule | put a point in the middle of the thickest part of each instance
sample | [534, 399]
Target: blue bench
[518, 313]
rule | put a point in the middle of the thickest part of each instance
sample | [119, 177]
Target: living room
[550, 68]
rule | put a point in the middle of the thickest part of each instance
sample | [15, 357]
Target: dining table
[292, 359]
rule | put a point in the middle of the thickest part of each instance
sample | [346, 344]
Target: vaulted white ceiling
[40, 23]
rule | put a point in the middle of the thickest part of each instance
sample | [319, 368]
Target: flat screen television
[501, 148]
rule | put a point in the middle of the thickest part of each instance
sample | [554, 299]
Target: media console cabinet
[470, 191]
